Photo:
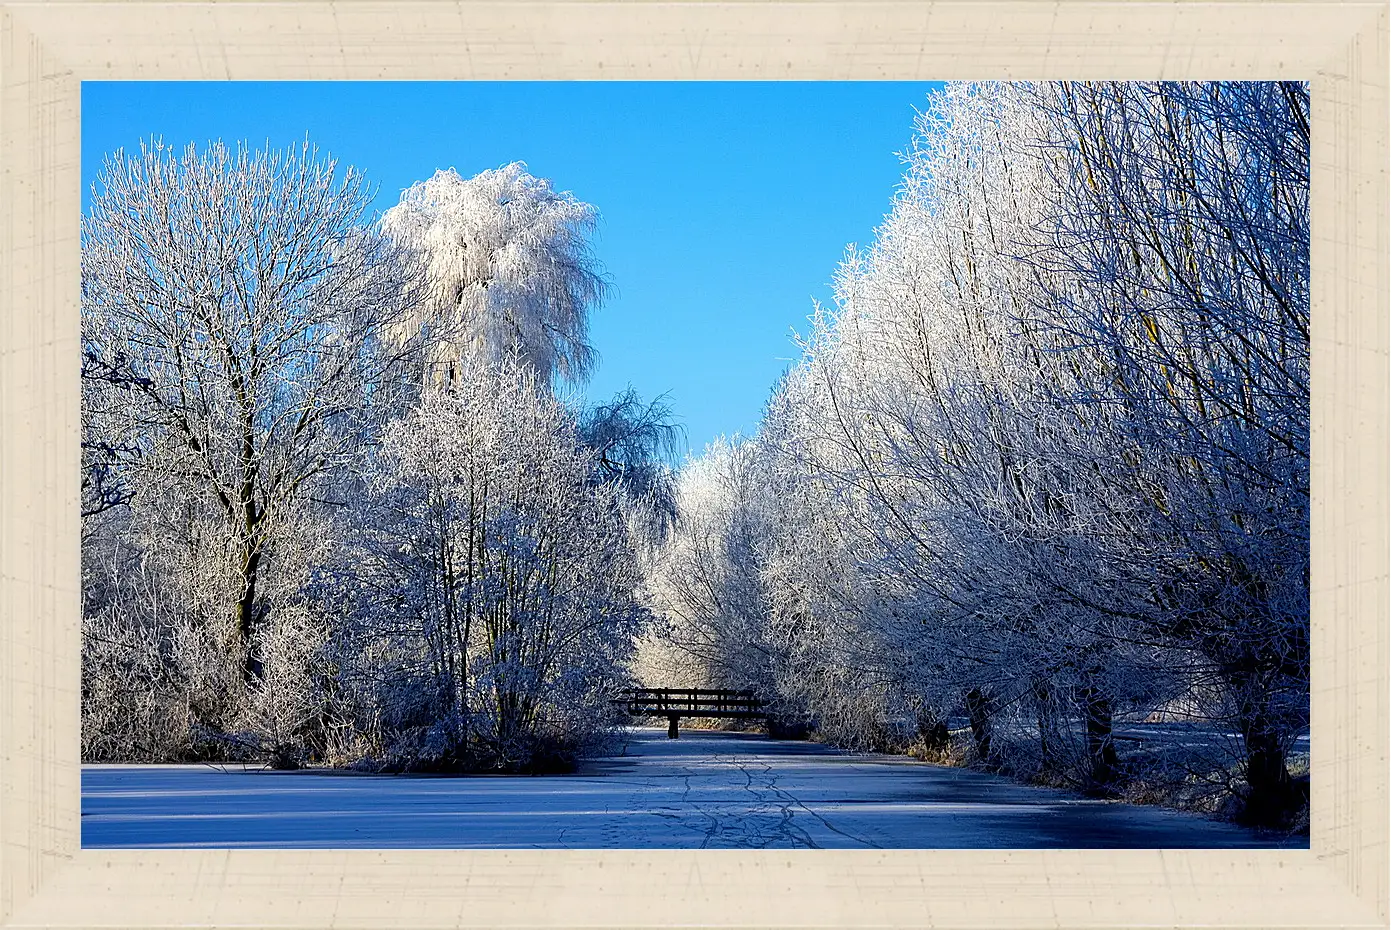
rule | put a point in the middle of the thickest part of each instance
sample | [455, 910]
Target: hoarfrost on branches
[1038, 482]
[510, 270]
[1043, 467]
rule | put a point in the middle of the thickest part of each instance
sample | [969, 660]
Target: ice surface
[705, 790]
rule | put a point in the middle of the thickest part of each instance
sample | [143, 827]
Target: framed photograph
[999, 385]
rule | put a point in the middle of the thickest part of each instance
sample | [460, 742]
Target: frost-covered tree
[233, 309]
[632, 443]
[707, 577]
[1180, 221]
[510, 270]
[493, 577]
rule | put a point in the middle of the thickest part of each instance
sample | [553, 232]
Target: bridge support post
[671, 730]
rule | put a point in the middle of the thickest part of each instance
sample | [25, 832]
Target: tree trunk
[1043, 704]
[1101, 747]
[978, 709]
[247, 615]
[932, 732]
[251, 517]
[1272, 799]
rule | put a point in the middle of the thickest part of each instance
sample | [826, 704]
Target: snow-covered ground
[705, 790]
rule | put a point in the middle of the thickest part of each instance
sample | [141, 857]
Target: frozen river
[705, 790]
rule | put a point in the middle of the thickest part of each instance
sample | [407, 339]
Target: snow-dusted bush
[130, 706]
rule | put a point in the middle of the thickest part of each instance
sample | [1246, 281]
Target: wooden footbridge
[675, 703]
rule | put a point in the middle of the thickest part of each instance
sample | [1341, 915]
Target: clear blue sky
[725, 206]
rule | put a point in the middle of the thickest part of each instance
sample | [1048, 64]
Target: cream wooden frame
[46, 49]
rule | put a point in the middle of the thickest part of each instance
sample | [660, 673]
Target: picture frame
[48, 48]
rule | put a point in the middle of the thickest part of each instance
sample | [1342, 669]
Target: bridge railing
[691, 702]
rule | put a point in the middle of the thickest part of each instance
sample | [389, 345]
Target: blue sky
[725, 207]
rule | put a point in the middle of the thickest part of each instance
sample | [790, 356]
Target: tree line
[1040, 480]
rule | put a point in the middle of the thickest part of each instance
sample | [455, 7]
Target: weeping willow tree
[510, 270]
